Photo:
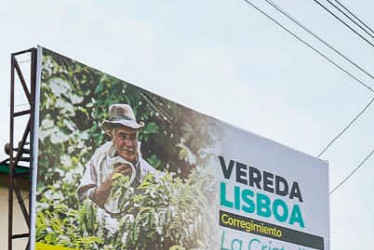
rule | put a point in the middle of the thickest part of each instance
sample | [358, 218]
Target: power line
[354, 171]
[350, 18]
[310, 46]
[345, 129]
[288, 15]
[324, 56]
[358, 19]
[348, 26]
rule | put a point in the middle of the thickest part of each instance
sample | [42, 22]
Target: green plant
[167, 211]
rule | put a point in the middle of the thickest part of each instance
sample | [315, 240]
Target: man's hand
[102, 192]
[124, 169]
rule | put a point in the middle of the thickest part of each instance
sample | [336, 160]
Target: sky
[226, 60]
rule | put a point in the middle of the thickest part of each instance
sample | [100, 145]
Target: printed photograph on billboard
[119, 167]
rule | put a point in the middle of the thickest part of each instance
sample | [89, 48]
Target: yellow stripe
[42, 246]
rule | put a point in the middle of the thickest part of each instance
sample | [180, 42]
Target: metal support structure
[27, 138]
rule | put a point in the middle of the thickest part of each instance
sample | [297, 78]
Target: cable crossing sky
[331, 61]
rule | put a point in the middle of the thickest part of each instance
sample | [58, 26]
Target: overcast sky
[225, 59]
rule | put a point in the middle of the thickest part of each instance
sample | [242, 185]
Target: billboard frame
[29, 135]
[28, 87]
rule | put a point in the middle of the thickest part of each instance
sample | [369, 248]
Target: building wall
[19, 225]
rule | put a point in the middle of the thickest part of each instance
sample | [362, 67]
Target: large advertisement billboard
[119, 167]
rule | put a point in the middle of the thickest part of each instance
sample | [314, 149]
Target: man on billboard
[121, 155]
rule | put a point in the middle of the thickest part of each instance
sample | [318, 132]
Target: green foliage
[58, 224]
[164, 211]
[75, 100]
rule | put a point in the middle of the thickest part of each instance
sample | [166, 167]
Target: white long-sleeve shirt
[101, 166]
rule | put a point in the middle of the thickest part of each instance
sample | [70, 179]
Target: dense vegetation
[170, 211]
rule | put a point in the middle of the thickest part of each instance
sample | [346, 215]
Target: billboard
[119, 167]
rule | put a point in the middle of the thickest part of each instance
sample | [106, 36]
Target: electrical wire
[310, 46]
[347, 25]
[24, 61]
[351, 13]
[352, 173]
[293, 19]
[22, 105]
[350, 18]
[346, 128]
[324, 56]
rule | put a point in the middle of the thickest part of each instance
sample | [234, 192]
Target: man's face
[126, 142]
